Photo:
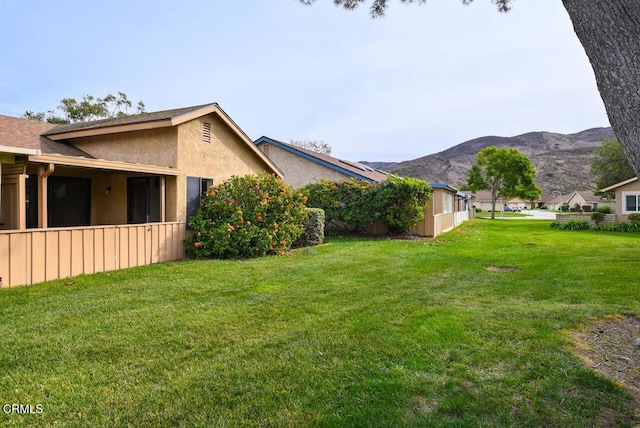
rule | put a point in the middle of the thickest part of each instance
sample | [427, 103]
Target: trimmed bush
[346, 204]
[354, 205]
[597, 217]
[634, 218]
[313, 229]
[618, 227]
[401, 202]
[605, 209]
[586, 208]
[570, 225]
[247, 216]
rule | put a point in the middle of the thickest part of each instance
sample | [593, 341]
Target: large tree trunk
[609, 31]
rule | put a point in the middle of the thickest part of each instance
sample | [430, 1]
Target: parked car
[516, 209]
[507, 209]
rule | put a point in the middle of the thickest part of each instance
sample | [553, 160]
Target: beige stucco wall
[228, 154]
[149, 147]
[181, 147]
[297, 170]
[620, 199]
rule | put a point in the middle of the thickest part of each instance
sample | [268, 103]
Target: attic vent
[206, 132]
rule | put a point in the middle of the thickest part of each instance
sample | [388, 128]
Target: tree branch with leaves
[87, 109]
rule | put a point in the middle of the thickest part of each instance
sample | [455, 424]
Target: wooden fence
[36, 255]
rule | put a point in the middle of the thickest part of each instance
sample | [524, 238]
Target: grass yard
[470, 329]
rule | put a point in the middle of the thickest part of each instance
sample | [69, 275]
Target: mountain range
[562, 161]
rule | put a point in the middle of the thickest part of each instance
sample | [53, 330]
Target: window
[143, 200]
[69, 201]
[631, 202]
[196, 188]
[206, 132]
[448, 203]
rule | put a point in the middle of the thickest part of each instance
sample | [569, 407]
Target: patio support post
[163, 199]
[22, 201]
[43, 173]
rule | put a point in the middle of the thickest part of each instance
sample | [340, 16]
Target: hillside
[562, 161]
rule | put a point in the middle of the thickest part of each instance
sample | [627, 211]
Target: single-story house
[447, 209]
[301, 166]
[583, 199]
[482, 201]
[627, 198]
[107, 194]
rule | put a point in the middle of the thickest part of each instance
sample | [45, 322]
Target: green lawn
[469, 329]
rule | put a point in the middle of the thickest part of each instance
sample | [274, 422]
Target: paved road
[531, 215]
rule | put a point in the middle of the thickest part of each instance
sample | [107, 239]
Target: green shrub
[570, 225]
[586, 208]
[618, 227]
[478, 210]
[355, 205]
[598, 217]
[564, 207]
[346, 204]
[246, 217]
[313, 229]
[605, 209]
[576, 208]
[634, 218]
[401, 202]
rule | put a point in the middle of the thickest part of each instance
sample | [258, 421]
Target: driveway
[531, 215]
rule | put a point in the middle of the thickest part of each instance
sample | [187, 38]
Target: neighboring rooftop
[350, 168]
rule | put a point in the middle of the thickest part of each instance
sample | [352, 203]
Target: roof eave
[93, 132]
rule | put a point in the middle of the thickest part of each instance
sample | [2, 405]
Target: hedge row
[355, 205]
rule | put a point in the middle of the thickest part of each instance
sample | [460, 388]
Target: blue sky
[416, 82]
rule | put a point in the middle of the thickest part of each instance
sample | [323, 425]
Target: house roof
[622, 183]
[349, 168]
[154, 120]
[27, 134]
[158, 119]
[587, 195]
[485, 195]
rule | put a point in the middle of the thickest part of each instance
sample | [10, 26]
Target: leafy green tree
[89, 108]
[610, 164]
[609, 32]
[505, 173]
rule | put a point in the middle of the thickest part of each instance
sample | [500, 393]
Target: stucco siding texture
[149, 147]
[299, 171]
[225, 155]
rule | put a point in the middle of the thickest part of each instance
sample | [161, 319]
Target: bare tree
[317, 146]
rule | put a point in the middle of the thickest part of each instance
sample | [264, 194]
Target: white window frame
[447, 202]
[624, 202]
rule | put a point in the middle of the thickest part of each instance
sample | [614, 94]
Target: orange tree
[247, 216]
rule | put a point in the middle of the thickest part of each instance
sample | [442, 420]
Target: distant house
[108, 194]
[557, 202]
[482, 201]
[301, 166]
[447, 208]
[585, 199]
[627, 198]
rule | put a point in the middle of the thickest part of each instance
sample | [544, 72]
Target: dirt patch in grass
[502, 269]
[611, 346]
